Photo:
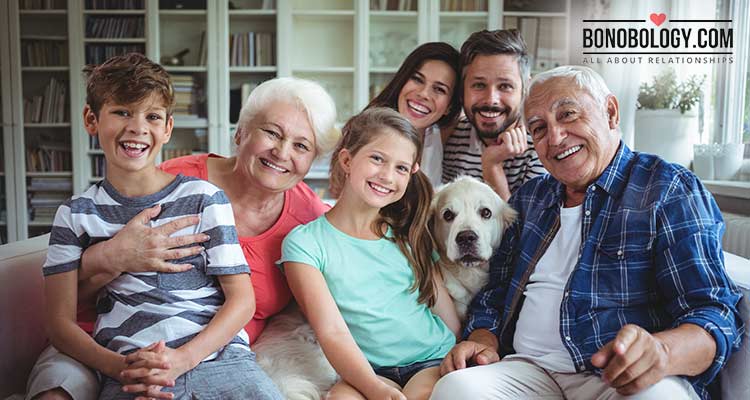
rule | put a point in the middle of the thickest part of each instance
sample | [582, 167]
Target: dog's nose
[466, 238]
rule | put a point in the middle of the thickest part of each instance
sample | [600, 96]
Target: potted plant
[666, 119]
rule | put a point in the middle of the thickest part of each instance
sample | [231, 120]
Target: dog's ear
[507, 215]
[433, 211]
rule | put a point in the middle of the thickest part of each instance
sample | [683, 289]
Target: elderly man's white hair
[309, 95]
[584, 77]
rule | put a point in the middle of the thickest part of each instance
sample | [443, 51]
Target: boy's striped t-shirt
[137, 309]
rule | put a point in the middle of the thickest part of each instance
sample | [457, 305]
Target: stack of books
[251, 49]
[114, 27]
[48, 107]
[46, 195]
[183, 86]
[114, 4]
[43, 53]
[49, 157]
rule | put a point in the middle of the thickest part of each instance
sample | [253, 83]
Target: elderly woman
[285, 124]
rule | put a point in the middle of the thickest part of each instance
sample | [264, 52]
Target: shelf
[42, 222]
[537, 14]
[43, 12]
[186, 68]
[95, 179]
[395, 15]
[45, 37]
[263, 69]
[94, 152]
[190, 123]
[324, 70]
[46, 125]
[114, 40]
[255, 13]
[318, 174]
[62, 174]
[464, 14]
[114, 12]
[182, 12]
[324, 15]
[737, 189]
[383, 70]
[44, 69]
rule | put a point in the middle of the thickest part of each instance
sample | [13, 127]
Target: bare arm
[137, 248]
[60, 292]
[315, 300]
[509, 144]
[445, 309]
[637, 359]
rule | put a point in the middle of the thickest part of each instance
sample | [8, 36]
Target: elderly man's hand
[462, 352]
[633, 361]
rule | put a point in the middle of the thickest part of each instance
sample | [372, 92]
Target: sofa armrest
[22, 335]
[735, 384]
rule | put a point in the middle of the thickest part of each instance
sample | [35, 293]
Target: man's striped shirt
[137, 309]
[462, 155]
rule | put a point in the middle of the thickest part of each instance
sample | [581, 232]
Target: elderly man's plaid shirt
[650, 255]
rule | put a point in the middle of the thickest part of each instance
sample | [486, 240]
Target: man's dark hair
[501, 41]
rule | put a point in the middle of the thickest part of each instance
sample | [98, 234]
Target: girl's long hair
[438, 51]
[406, 217]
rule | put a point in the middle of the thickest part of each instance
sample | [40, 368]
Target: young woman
[424, 91]
[363, 273]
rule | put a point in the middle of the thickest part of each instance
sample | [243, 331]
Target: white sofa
[22, 333]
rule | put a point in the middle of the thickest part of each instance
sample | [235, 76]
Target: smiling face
[130, 135]
[492, 93]
[277, 147]
[574, 136]
[426, 96]
[379, 172]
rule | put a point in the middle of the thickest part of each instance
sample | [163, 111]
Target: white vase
[728, 161]
[666, 133]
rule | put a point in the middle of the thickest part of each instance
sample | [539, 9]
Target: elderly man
[612, 282]
[489, 142]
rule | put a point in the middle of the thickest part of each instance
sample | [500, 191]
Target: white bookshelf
[349, 48]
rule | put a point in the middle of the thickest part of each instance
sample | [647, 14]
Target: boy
[195, 315]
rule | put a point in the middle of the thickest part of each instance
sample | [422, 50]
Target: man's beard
[511, 117]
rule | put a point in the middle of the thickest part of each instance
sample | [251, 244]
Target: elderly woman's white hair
[309, 95]
[584, 77]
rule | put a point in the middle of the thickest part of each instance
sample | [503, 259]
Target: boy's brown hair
[127, 79]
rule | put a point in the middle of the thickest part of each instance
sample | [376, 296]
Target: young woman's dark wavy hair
[408, 216]
[439, 51]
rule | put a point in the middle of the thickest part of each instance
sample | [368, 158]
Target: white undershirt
[432, 155]
[537, 335]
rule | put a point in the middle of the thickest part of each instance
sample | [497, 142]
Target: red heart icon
[658, 19]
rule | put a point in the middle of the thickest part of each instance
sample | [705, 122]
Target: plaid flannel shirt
[650, 255]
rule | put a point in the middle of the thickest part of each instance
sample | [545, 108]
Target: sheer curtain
[622, 79]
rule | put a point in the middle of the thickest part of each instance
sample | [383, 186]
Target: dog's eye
[448, 215]
[486, 213]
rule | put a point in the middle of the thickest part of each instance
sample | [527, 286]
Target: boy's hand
[148, 249]
[152, 368]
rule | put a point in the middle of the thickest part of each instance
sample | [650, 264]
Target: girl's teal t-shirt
[370, 282]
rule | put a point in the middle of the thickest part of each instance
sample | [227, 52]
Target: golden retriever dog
[468, 221]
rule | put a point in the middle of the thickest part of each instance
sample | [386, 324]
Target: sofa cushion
[735, 384]
[22, 335]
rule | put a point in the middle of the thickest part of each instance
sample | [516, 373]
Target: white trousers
[520, 379]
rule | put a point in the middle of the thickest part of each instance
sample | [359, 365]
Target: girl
[424, 91]
[363, 273]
